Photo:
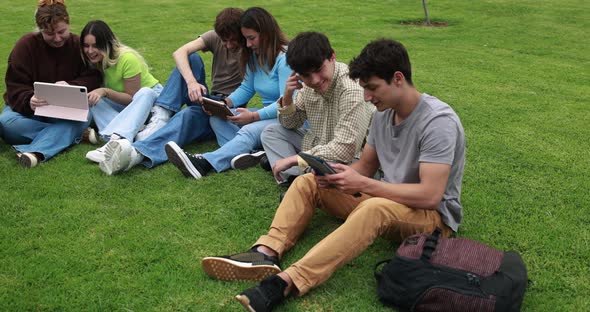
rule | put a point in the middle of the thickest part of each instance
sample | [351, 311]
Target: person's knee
[195, 59]
[12, 127]
[304, 181]
[145, 92]
[6, 120]
[269, 133]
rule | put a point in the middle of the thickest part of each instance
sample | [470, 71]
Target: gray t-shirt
[432, 133]
[225, 69]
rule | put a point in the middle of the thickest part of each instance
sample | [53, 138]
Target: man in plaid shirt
[332, 104]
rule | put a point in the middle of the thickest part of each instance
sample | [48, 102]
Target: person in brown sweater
[52, 55]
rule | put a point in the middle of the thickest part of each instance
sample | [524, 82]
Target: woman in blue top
[266, 72]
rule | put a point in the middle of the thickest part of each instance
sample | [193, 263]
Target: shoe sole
[228, 270]
[26, 161]
[245, 301]
[177, 157]
[244, 161]
[117, 157]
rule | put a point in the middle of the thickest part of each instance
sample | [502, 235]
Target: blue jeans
[235, 140]
[36, 134]
[113, 118]
[186, 125]
[175, 92]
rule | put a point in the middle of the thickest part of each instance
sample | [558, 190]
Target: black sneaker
[265, 296]
[192, 166]
[264, 163]
[281, 197]
[247, 266]
[244, 161]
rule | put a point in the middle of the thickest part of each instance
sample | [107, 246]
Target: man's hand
[293, 83]
[196, 91]
[96, 95]
[321, 180]
[346, 179]
[282, 165]
[245, 117]
[36, 102]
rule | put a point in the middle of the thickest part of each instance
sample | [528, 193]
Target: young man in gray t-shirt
[419, 143]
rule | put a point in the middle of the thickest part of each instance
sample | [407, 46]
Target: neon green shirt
[128, 65]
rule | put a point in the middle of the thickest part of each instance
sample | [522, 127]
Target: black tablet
[217, 108]
[320, 166]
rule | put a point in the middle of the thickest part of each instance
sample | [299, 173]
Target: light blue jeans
[113, 118]
[43, 135]
[235, 140]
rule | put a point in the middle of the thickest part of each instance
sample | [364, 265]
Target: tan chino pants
[365, 217]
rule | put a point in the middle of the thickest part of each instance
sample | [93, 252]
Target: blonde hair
[111, 59]
[49, 13]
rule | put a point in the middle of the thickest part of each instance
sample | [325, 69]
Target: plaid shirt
[338, 119]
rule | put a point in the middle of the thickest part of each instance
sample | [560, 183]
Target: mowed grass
[517, 73]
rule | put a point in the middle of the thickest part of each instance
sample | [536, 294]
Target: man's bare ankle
[267, 251]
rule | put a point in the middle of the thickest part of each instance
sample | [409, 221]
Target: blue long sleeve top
[270, 86]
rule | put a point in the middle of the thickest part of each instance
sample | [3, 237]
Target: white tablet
[65, 101]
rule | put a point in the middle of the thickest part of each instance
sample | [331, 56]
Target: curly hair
[51, 12]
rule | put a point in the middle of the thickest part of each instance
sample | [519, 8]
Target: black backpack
[430, 273]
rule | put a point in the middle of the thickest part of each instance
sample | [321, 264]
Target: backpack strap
[430, 244]
[377, 271]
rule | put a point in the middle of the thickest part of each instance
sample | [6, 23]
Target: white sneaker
[27, 160]
[98, 154]
[159, 119]
[247, 160]
[120, 155]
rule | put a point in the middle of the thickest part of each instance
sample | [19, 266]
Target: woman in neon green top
[122, 105]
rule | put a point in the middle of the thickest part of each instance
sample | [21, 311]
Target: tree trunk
[426, 12]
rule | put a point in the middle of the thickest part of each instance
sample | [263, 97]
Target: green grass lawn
[516, 72]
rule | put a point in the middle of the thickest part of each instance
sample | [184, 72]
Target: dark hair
[271, 39]
[105, 38]
[308, 51]
[227, 23]
[381, 58]
[50, 13]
